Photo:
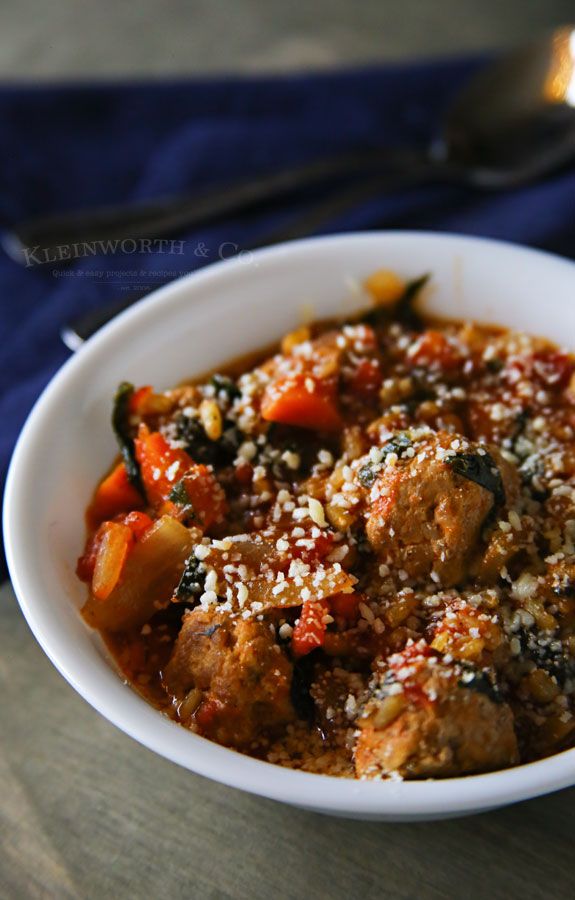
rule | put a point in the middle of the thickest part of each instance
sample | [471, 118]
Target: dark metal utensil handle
[314, 220]
[160, 218]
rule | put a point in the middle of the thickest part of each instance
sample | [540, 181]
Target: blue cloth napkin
[65, 148]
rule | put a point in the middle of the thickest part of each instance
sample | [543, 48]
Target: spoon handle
[42, 238]
[319, 217]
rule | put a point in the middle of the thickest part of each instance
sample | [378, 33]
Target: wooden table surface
[85, 812]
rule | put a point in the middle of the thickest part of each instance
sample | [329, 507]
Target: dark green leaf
[227, 385]
[201, 448]
[208, 632]
[193, 578]
[123, 432]
[300, 690]
[179, 495]
[481, 680]
[480, 469]
[368, 473]
[531, 471]
[405, 310]
[397, 444]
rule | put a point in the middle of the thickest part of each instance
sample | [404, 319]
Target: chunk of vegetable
[115, 494]
[367, 378]
[110, 558]
[433, 349]
[385, 286]
[321, 583]
[170, 474]
[345, 606]
[275, 591]
[121, 425]
[201, 496]
[393, 303]
[303, 400]
[138, 399]
[138, 523]
[161, 466]
[149, 577]
[309, 631]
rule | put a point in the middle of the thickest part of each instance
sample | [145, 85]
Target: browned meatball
[426, 719]
[235, 674]
[423, 516]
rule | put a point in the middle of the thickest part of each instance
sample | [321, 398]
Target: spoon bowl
[515, 120]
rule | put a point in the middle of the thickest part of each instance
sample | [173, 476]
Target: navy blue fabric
[65, 147]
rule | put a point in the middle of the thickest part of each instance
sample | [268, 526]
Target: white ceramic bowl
[186, 328]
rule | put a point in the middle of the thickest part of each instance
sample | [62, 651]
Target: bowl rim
[130, 713]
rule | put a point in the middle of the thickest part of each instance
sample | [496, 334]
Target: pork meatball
[232, 679]
[428, 720]
[428, 503]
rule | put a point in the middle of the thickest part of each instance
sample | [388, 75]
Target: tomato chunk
[312, 550]
[302, 400]
[138, 399]
[138, 523]
[367, 378]
[553, 368]
[433, 349]
[115, 494]
[309, 631]
[87, 562]
[345, 606]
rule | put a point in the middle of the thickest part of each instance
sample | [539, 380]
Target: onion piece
[149, 577]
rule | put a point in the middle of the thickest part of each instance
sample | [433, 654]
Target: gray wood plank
[78, 37]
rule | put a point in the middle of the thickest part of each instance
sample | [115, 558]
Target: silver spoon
[512, 123]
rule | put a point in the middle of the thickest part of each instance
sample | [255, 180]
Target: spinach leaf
[531, 472]
[123, 432]
[548, 652]
[368, 473]
[397, 444]
[480, 469]
[201, 448]
[227, 385]
[192, 582]
[300, 689]
[481, 680]
[208, 632]
[179, 495]
[405, 311]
